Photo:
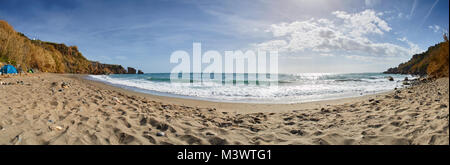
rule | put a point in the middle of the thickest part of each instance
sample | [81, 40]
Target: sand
[67, 109]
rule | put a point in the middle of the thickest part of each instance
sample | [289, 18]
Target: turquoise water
[290, 88]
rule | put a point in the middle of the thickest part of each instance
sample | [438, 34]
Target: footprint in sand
[149, 137]
[190, 139]
[217, 141]
[123, 137]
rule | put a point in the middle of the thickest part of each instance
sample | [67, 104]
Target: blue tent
[8, 69]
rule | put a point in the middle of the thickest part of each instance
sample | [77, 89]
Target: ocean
[290, 88]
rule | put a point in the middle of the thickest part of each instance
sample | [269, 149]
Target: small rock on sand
[55, 128]
[65, 85]
[117, 100]
[160, 134]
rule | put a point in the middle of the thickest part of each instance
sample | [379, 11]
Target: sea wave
[290, 88]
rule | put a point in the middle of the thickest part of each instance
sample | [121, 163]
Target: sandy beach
[68, 109]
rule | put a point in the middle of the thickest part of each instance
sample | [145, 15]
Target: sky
[337, 36]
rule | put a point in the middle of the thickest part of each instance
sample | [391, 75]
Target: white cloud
[347, 33]
[413, 48]
[364, 22]
[371, 59]
[360, 58]
[371, 3]
[272, 45]
[296, 57]
[326, 55]
[435, 28]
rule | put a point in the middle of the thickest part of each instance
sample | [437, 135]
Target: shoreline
[49, 108]
[234, 95]
[236, 107]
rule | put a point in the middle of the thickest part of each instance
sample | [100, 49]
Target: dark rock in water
[131, 70]
[406, 79]
[390, 78]
[140, 72]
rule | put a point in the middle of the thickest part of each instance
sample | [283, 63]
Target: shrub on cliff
[439, 63]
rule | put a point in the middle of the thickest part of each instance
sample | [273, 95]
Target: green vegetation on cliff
[20, 51]
[434, 62]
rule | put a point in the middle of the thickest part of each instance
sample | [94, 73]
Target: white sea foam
[292, 88]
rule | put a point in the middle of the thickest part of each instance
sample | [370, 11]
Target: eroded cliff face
[23, 53]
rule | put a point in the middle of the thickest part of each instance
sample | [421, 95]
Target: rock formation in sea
[99, 68]
[131, 70]
[140, 72]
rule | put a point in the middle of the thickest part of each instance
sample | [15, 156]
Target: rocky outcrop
[99, 68]
[140, 72]
[131, 70]
[433, 62]
[20, 51]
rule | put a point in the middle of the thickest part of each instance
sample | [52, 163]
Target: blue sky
[310, 35]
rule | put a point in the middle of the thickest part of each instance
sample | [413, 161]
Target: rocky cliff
[20, 51]
[434, 62]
